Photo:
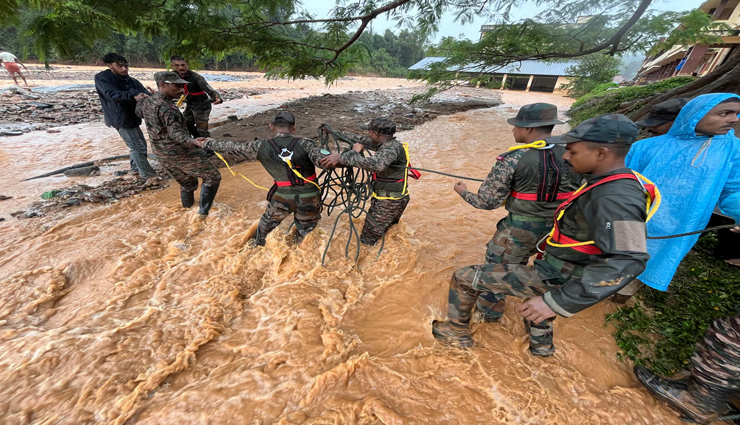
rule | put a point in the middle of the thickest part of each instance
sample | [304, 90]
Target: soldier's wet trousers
[514, 242]
[716, 360]
[501, 279]
[196, 118]
[383, 213]
[305, 207]
[186, 172]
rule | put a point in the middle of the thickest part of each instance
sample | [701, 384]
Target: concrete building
[539, 76]
[697, 60]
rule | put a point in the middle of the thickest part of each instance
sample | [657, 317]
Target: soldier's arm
[246, 150]
[357, 138]
[213, 94]
[176, 129]
[313, 150]
[617, 224]
[376, 163]
[496, 187]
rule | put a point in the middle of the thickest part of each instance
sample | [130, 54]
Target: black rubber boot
[207, 194]
[696, 402]
[187, 199]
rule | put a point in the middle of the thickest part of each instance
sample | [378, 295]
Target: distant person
[118, 95]
[696, 166]
[390, 176]
[714, 379]
[11, 65]
[531, 180]
[291, 193]
[174, 147]
[596, 247]
[199, 96]
[661, 117]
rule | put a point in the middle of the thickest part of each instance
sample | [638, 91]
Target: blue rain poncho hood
[694, 173]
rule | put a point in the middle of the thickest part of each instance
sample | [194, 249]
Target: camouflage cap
[610, 128]
[168, 77]
[663, 112]
[381, 126]
[284, 117]
[536, 115]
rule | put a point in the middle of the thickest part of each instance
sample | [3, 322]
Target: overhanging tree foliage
[290, 42]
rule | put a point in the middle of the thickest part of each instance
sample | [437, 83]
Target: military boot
[207, 194]
[456, 331]
[697, 402]
[187, 198]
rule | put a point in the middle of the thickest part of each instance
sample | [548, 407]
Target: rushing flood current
[137, 313]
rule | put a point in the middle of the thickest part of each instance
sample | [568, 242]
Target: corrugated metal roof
[519, 68]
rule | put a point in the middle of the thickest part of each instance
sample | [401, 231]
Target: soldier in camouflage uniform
[531, 181]
[291, 193]
[390, 177]
[715, 376]
[597, 246]
[199, 96]
[172, 145]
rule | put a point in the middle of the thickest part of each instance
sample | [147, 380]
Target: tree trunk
[724, 79]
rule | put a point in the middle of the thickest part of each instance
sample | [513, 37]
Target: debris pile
[110, 191]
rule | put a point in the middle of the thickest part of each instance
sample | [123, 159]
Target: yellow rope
[299, 174]
[236, 173]
[537, 145]
[405, 190]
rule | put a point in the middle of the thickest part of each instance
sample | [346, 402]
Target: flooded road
[136, 313]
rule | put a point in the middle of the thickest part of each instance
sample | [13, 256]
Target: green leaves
[661, 331]
[592, 71]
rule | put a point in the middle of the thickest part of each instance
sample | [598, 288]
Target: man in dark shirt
[118, 95]
[598, 243]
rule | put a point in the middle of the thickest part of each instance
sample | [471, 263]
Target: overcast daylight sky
[449, 27]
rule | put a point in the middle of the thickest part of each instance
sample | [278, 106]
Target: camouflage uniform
[516, 174]
[388, 167]
[568, 280]
[714, 379]
[174, 148]
[198, 108]
[303, 200]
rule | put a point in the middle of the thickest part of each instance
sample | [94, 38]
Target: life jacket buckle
[286, 155]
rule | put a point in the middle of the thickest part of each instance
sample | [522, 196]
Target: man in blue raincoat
[696, 166]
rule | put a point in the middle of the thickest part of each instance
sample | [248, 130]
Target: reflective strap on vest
[559, 240]
[533, 196]
[288, 183]
[405, 179]
[197, 93]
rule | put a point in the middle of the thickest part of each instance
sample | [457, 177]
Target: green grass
[604, 101]
[661, 330]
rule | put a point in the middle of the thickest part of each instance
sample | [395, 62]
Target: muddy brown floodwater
[135, 313]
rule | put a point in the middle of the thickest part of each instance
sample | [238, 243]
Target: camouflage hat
[168, 77]
[284, 117]
[536, 115]
[611, 128]
[663, 112]
[381, 125]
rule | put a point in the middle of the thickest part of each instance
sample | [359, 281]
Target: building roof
[518, 68]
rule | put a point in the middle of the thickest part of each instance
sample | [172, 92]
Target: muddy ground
[344, 112]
